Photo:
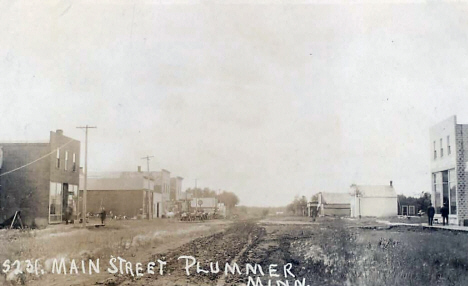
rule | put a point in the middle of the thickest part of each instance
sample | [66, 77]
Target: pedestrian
[103, 215]
[430, 214]
[444, 212]
[66, 215]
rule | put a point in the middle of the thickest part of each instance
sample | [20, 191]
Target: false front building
[123, 194]
[39, 179]
[449, 157]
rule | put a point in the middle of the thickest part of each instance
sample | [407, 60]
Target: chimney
[391, 184]
[59, 132]
[139, 169]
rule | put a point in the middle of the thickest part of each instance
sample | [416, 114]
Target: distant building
[176, 189]
[330, 204]
[162, 183]
[374, 201]
[449, 161]
[130, 194]
[222, 210]
[45, 189]
[209, 205]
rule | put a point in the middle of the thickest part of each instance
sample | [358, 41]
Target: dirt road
[329, 252]
[270, 249]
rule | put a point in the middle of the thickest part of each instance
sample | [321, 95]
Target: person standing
[103, 215]
[430, 214]
[444, 212]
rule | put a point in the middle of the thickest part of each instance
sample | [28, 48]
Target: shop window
[55, 202]
[436, 192]
[452, 197]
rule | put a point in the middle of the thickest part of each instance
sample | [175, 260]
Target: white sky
[268, 101]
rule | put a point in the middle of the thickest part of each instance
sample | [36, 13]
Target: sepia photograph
[233, 142]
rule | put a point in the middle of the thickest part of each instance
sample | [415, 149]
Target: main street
[268, 251]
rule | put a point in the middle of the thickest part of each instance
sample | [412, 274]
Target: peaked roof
[376, 191]
[336, 198]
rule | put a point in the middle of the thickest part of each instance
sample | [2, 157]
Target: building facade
[40, 179]
[330, 204]
[125, 194]
[374, 201]
[449, 157]
[162, 182]
[176, 189]
[208, 205]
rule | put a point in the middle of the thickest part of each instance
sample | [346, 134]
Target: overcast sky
[268, 101]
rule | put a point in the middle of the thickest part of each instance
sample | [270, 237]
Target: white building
[208, 205]
[449, 167]
[374, 201]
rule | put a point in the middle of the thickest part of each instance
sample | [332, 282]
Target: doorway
[64, 201]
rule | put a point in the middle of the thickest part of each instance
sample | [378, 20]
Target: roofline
[23, 142]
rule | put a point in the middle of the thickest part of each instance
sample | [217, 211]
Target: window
[435, 151]
[74, 163]
[66, 161]
[449, 151]
[436, 193]
[441, 149]
[58, 159]
[73, 198]
[452, 186]
[55, 202]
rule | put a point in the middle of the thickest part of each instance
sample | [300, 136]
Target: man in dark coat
[103, 215]
[444, 212]
[430, 214]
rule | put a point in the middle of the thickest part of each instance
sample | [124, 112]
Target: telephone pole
[196, 196]
[147, 158]
[85, 191]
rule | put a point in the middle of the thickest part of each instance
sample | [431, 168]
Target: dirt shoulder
[134, 241]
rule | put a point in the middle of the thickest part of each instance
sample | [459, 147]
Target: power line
[30, 163]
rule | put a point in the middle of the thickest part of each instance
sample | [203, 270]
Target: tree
[201, 193]
[302, 206]
[421, 203]
[298, 206]
[229, 199]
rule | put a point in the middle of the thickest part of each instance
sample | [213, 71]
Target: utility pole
[85, 191]
[196, 196]
[147, 158]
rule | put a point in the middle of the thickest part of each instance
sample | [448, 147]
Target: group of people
[444, 213]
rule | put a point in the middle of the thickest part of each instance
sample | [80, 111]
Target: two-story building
[40, 179]
[162, 183]
[449, 157]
